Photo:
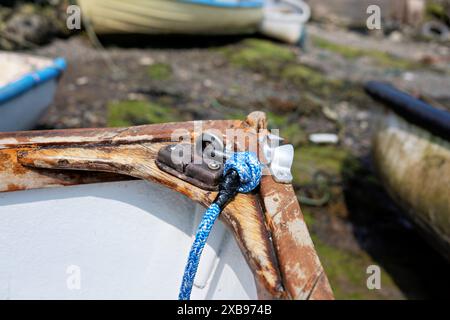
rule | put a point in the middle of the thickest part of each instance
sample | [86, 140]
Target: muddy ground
[316, 90]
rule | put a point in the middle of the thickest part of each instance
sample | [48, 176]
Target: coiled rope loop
[248, 167]
[242, 173]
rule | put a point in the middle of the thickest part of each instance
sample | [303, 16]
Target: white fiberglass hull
[118, 240]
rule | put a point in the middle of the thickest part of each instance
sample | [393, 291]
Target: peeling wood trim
[286, 267]
[300, 267]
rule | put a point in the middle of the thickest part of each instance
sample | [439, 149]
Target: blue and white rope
[248, 167]
[201, 236]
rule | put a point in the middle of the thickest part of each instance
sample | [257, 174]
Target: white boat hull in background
[285, 20]
[24, 111]
[27, 87]
[168, 17]
[120, 240]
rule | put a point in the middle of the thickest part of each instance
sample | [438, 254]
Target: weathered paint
[303, 274]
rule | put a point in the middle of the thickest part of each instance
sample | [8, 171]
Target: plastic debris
[324, 138]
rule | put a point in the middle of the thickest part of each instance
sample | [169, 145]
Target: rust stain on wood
[300, 266]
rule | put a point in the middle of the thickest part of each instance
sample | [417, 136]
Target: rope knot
[248, 167]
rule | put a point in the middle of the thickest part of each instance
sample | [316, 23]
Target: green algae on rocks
[159, 71]
[132, 113]
[260, 55]
[381, 58]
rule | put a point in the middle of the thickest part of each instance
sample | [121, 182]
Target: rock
[362, 115]
[27, 25]
[133, 96]
[146, 61]
[91, 118]
[81, 81]
[408, 76]
[343, 109]
[396, 36]
[330, 114]
[4, 14]
[31, 28]
[208, 83]
[5, 44]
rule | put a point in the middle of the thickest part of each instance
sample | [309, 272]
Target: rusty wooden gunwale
[273, 238]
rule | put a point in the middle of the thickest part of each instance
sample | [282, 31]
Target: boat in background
[194, 17]
[279, 19]
[411, 149]
[27, 87]
[285, 20]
